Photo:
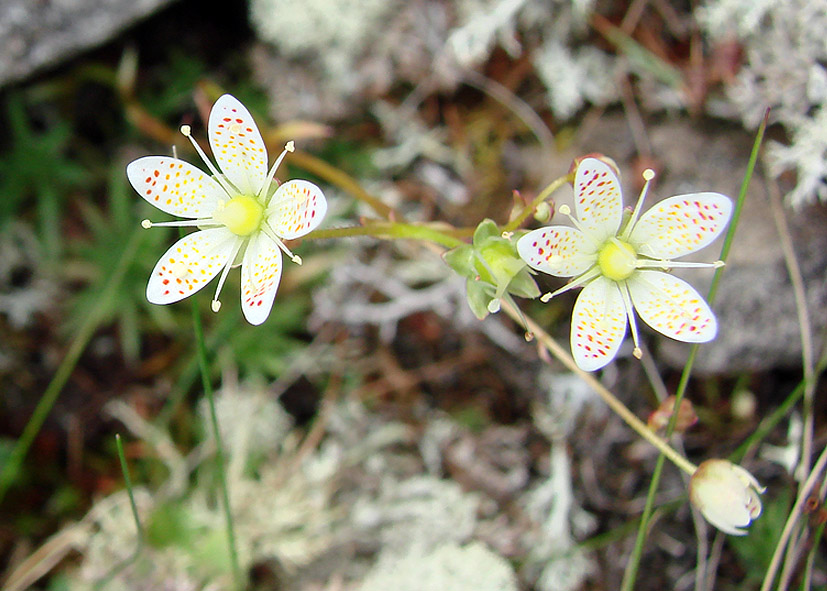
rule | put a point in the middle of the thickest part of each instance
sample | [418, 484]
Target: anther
[565, 210]
[146, 224]
[718, 264]
[290, 146]
[507, 235]
[545, 297]
[186, 130]
[215, 305]
[648, 174]
[296, 259]
[637, 353]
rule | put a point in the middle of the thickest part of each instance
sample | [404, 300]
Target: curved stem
[544, 194]
[447, 237]
[610, 399]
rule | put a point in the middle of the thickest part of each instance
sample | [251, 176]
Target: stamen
[215, 304]
[566, 211]
[582, 280]
[231, 191]
[648, 175]
[288, 147]
[664, 264]
[268, 231]
[181, 223]
[630, 314]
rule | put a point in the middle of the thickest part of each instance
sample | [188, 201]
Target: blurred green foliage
[36, 165]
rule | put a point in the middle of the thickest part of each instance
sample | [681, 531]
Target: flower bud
[726, 495]
[659, 418]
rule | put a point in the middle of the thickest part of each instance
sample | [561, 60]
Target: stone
[38, 34]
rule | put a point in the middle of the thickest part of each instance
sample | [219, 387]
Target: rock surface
[37, 34]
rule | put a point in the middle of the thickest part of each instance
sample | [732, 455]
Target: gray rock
[37, 33]
[758, 324]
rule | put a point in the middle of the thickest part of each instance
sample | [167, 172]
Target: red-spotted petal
[680, 225]
[175, 186]
[297, 207]
[597, 199]
[237, 145]
[189, 265]
[260, 276]
[557, 250]
[598, 324]
[672, 307]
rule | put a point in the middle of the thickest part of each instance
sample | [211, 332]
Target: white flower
[726, 495]
[622, 263]
[240, 219]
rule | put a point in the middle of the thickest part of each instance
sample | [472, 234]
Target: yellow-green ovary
[617, 260]
[242, 215]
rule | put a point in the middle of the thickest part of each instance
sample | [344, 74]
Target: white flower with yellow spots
[726, 495]
[624, 265]
[241, 219]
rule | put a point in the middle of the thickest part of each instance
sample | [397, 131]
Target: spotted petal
[237, 145]
[680, 225]
[597, 199]
[598, 324]
[672, 307]
[297, 207]
[557, 250]
[260, 276]
[189, 265]
[175, 186]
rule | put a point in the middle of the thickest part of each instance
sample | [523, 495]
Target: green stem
[544, 194]
[201, 348]
[10, 470]
[103, 581]
[449, 238]
[630, 575]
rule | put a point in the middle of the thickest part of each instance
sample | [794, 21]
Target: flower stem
[610, 399]
[201, 347]
[10, 470]
[448, 237]
[634, 560]
[544, 194]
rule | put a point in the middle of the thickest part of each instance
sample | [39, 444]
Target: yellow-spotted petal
[175, 186]
[672, 307]
[297, 207]
[597, 199]
[557, 250]
[598, 324]
[190, 264]
[260, 276]
[680, 225]
[237, 145]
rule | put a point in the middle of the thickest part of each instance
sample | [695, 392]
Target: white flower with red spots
[241, 216]
[622, 263]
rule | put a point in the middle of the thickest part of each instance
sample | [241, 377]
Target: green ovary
[617, 260]
[242, 215]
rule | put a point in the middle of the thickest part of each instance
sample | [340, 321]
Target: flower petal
[237, 145]
[189, 265]
[260, 276]
[175, 186]
[680, 225]
[557, 250]
[598, 324]
[672, 307]
[297, 207]
[597, 199]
